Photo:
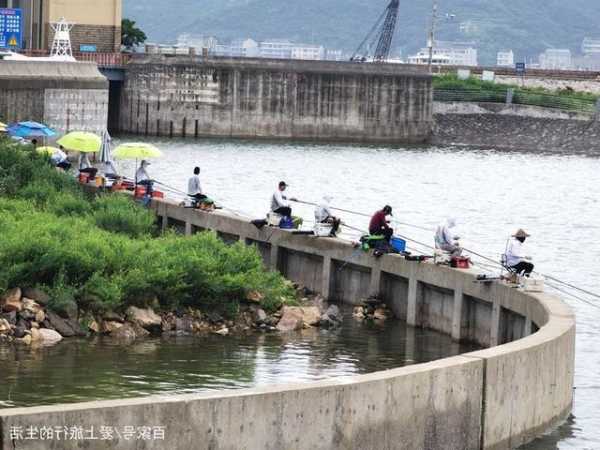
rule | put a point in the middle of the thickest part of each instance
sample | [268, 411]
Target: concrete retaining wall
[497, 398]
[514, 127]
[65, 96]
[245, 98]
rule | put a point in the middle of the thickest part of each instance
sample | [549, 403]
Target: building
[590, 46]
[308, 52]
[97, 23]
[556, 59]
[447, 53]
[240, 48]
[197, 42]
[505, 58]
[276, 49]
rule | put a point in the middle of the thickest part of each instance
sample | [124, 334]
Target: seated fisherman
[194, 186]
[59, 159]
[279, 202]
[446, 239]
[85, 166]
[516, 258]
[379, 225]
[323, 214]
[142, 178]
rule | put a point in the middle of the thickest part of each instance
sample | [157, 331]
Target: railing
[104, 60]
[569, 103]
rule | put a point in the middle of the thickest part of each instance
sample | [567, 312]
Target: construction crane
[383, 33]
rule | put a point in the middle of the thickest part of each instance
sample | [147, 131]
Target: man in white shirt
[323, 214]
[446, 239]
[60, 160]
[280, 203]
[516, 258]
[142, 177]
[85, 166]
[194, 186]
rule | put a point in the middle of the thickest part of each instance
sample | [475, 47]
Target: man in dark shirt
[379, 225]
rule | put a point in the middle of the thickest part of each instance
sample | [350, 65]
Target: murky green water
[81, 370]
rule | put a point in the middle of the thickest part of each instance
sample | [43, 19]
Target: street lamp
[430, 40]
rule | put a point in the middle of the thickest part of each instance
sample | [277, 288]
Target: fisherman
[323, 214]
[85, 166]
[142, 178]
[516, 260]
[59, 159]
[194, 186]
[379, 225]
[279, 202]
[446, 239]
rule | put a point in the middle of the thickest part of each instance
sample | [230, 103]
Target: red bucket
[460, 262]
[140, 191]
[158, 194]
[84, 178]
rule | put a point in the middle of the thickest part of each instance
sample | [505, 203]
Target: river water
[80, 369]
[492, 193]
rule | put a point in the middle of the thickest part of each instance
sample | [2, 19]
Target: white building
[505, 58]
[556, 59]
[447, 53]
[590, 46]
[311, 52]
[276, 49]
[197, 41]
[240, 48]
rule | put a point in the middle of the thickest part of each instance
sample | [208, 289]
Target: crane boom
[382, 32]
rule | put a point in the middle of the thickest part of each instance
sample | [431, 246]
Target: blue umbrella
[30, 130]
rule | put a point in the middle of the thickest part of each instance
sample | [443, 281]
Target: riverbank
[72, 258]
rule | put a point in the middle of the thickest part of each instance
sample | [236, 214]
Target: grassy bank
[104, 253]
[450, 88]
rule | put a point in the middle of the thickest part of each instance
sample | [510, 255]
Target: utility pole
[431, 40]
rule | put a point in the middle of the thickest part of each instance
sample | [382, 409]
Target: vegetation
[450, 87]
[104, 253]
[131, 36]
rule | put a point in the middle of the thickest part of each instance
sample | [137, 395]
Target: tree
[131, 36]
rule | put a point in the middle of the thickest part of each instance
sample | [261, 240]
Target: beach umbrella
[137, 150]
[81, 141]
[47, 150]
[105, 153]
[30, 130]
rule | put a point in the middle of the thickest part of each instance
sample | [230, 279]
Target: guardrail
[104, 60]
[519, 97]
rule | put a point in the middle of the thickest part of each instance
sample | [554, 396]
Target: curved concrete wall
[497, 398]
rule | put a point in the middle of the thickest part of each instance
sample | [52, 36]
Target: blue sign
[11, 26]
[520, 68]
[88, 48]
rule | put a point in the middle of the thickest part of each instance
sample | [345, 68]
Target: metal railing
[104, 60]
[519, 97]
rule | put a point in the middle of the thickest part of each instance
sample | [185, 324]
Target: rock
[255, 296]
[26, 315]
[311, 315]
[94, 326]
[331, 318]
[109, 326]
[76, 327]
[291, 319]
[222, 331]
[36, 295]
[145, 318]
[5, 327]
[34, 325]
[380, 314]
[49, 337]
[214, 317]
[168, 323]
[36, 336]
[69, 311]
[20, 329]
[59, 324]
[358, 311]
[26, 339]
[11, 300]
[260, 316]
[113, 317]
[30, 305]
[40, 316]
[126, 333]
[11, 317]
[184, 324]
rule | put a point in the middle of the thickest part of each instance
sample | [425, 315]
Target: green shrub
[117, 213]
[68, 204]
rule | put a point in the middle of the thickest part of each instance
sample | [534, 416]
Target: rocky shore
[26, 319]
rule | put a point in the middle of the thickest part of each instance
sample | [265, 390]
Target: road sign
[11, 26]
[520, 68]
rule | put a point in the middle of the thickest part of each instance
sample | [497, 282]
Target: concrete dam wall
[257, 98]
[66, 96]
[497, 398]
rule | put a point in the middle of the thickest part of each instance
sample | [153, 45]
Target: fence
[569, 103]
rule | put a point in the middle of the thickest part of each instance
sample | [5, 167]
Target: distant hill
[526, 26]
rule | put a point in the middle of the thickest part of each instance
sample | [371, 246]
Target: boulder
[59, 324]
[113, 317]
[332, 317]
[35, 325]
[358, 312]
[11, 300]
[11, 317]
[40, 316]
[184, 324]
[145, 318]
[260, 316]
[291, 319]
[49, 337]
[76, 327]
[30, 305]
[222, 331]
[311, 315]
[380, 314]
[5, 326]
[26, 315]
[36, 336]
[255, 297]
[26, 339]
[94, 326]
[126, 333]
[108, 326]
[20, 329]
[36, 295]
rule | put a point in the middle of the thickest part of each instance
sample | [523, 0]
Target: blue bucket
[398, 244]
